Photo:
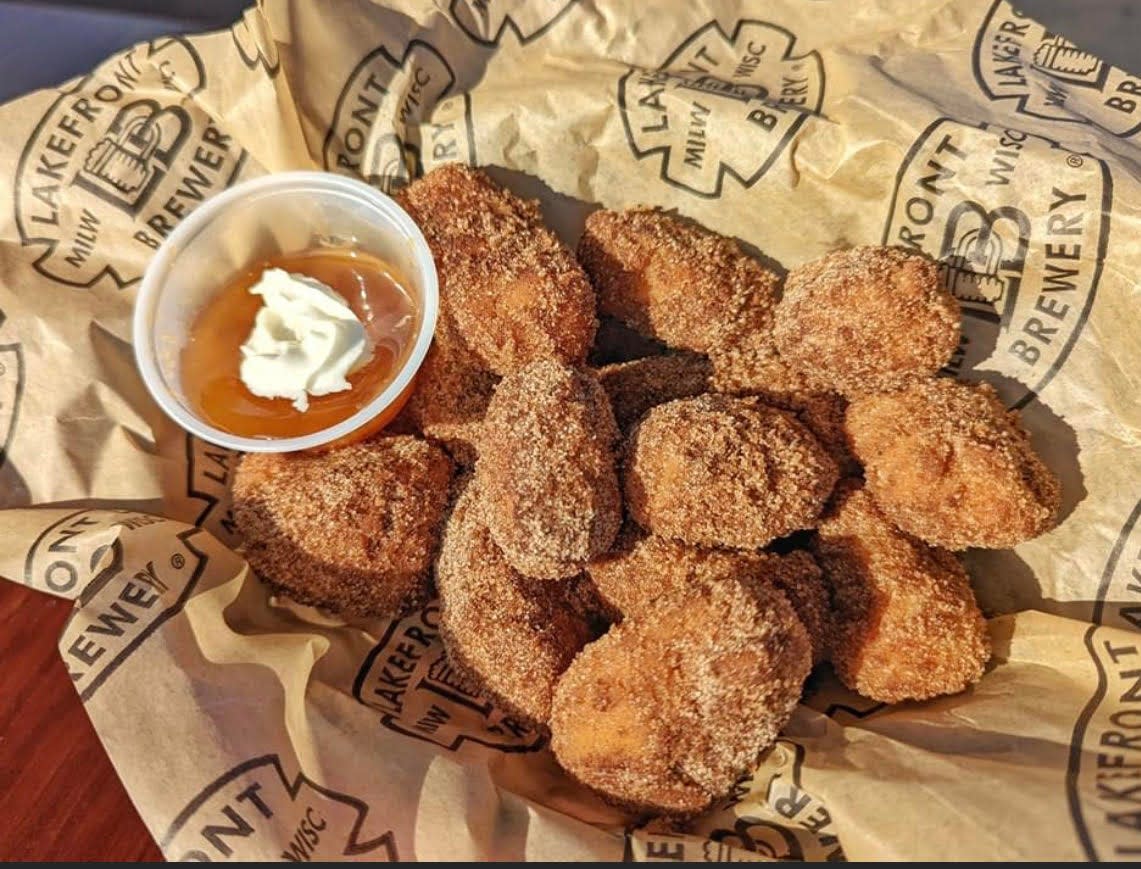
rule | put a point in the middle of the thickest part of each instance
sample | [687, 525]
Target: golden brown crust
[634, 387]
[513, 291]
[353, 530]
[906, 624]
[642, 570]
[798, 575]
[513, 636]
[824, 414]
[547, 468]
[722, 471]
[748, 364]
[739, 371]
[866, 319]
[451, 395]
[673, 280]
[947, 463]
[666, 711]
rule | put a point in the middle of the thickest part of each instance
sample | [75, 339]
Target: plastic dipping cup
[277, 214]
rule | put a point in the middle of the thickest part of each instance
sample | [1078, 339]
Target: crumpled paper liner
[247, 727]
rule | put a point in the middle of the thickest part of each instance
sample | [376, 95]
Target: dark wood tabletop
[59, 796]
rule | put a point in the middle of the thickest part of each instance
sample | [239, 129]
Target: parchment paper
[245, 727]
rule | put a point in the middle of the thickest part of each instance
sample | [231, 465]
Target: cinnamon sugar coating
[752, 367]
[451, 395]
[512, 635]
[866, 319]
[642, 570]
[666, 711]
[949, 464]
[906, 624]
[673, 280]
[547, 468]
[636, 386]
[722, 471]
[514, 292]
[353, 529]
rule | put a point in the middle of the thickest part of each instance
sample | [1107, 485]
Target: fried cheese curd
[547, 470]
[672, 280]
[353, 530]
[766, 376]
[746, 361]
[665, 712]
[905, 622]
[721, 471]
[512, 635]
[451, 395]
[949, 464]
[642, 570]
[636, 386]
[514, 292]
[867, 319]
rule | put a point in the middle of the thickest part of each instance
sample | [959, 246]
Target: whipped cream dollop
[306, 340]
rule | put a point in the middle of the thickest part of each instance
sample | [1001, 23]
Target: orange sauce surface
[212, 356]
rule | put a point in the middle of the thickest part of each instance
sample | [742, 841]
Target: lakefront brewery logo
[1103, 782]
[134, 154]
[409, 680]
[398, 118]
[123, 597]
[653, 846]
[1049, 77]
[255, 45]
[772, 815]
[209, 470]
[486, 21]
[721, 104]
[122, 153]
[1020, 227]
[73, 551]
[250, 811]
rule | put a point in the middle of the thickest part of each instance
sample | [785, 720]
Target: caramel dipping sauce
[212, 356]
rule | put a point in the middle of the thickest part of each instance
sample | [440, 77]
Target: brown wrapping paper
[247, 727]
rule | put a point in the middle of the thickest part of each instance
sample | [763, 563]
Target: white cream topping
[306, 340]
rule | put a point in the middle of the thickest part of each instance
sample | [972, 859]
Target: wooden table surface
[59, 796]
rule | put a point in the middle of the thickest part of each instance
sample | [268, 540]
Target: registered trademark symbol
[1074, 161]
[177, 561]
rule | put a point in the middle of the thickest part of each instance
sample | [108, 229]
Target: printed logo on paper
[1103, 782]
[1046, 76]
[257, 812]
[773, 816]
[122, 153]
[722, 104]
[853, 707]
[11, 392]
[209, 472]
[486, 21]
[643, 846]
[409, 680]
[398, 118]
[122, 597]
[1020, 227]
[255, 45]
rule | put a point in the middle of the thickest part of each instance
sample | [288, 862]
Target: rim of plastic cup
[151, 289]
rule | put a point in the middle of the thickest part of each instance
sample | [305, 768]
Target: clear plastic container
[276, 214]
